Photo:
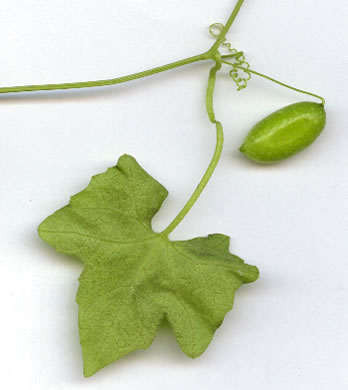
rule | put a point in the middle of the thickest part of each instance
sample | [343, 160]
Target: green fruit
[285, 132]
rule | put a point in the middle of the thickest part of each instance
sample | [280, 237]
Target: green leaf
[134, 277]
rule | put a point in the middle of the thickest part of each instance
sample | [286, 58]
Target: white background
[289, 330]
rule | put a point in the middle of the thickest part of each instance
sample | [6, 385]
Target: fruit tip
[242, 149]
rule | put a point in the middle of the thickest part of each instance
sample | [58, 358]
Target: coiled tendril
[240, 73]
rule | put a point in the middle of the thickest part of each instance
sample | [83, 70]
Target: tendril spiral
[240, 73]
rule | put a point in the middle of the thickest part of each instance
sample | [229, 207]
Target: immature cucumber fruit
[285, 132]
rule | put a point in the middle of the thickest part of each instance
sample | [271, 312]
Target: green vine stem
[227, 26]
[100, 83]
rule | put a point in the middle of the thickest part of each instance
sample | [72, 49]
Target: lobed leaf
[133, 277]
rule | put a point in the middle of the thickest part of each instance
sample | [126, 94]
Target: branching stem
[211, 54]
